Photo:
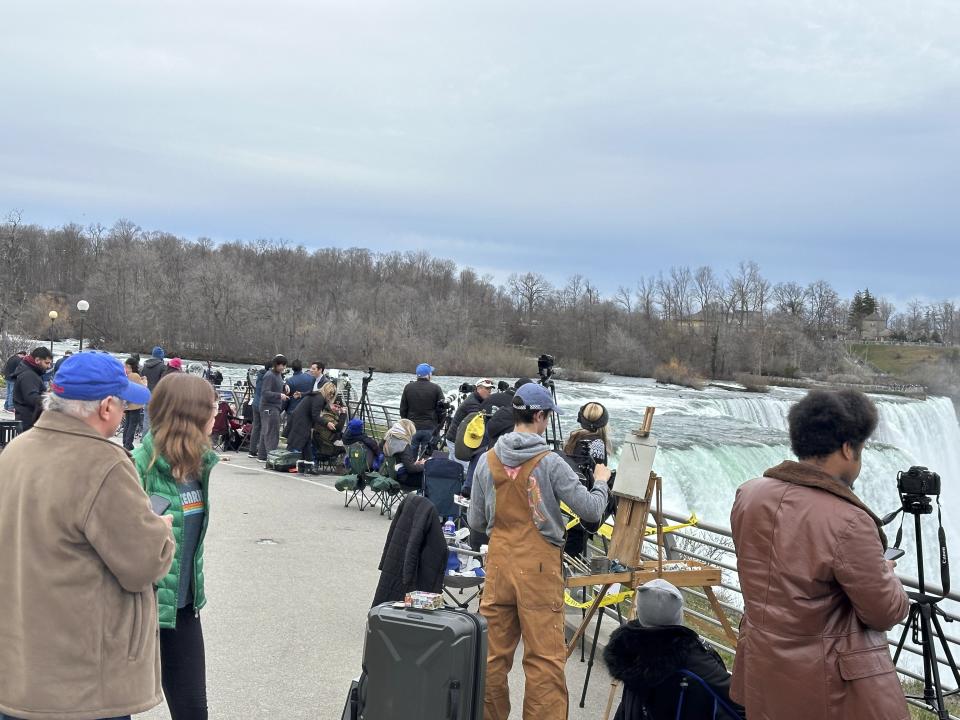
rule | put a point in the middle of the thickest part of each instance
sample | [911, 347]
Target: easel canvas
[636, 487]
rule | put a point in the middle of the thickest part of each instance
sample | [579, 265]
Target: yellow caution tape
[606, 530]
[614, 599]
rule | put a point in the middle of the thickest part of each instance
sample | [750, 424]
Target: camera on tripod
[545, 367]
[915, 486]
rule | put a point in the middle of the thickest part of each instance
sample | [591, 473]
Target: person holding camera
[517, 490]
[471, 404]
[818, 593]
[586, 447]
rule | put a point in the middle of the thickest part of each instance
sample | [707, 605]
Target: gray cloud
[617, 139]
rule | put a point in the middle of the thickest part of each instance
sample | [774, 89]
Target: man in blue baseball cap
[517, 490]
[81, 550]
[422, 403]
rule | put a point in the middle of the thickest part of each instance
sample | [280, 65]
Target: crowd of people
[126, 537]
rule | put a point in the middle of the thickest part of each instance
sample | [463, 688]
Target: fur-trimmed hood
[642, 657]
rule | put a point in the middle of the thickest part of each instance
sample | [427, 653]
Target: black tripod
[922, 622]
[362, 409]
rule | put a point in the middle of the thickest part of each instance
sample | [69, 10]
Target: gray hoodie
[555, 479]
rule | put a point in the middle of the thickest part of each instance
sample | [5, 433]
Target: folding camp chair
[390, 491]
[354, 486]
[442, 480]
[687, 696]
[462, 582]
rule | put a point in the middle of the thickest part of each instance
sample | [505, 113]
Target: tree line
[245, 301]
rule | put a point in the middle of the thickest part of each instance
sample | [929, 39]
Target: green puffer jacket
[158, 480]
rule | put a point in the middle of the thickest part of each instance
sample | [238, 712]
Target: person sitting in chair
[354, 434]
[647, 655]
[397, 444]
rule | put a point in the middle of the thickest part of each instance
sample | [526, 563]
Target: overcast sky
[821, 139]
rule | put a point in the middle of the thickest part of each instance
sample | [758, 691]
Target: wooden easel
[626, 547]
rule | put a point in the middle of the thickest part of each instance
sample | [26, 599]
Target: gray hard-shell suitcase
[423, 664]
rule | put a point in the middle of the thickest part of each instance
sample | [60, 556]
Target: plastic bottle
[449, 529]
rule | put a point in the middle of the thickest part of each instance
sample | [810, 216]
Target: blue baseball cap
[424, 369]
[534, 396]
[95, 376]
[157, 352]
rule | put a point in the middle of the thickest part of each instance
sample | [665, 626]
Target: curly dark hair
[824, 420]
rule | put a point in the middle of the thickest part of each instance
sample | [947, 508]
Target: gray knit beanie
[659, 603]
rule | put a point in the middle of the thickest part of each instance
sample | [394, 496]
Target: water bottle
[449, 529]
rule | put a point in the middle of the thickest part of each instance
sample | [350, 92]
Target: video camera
[466, 388]
[545, 367]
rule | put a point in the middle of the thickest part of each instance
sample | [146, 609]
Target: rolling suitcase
[423, 664]
[282, 460]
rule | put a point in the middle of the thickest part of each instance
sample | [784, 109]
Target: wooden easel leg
[613, 694]
[587, 618]
[721, 615]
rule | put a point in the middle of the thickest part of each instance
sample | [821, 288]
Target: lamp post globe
[82, 306]
[53, 315]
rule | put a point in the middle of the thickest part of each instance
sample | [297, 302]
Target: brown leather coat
[818, 597]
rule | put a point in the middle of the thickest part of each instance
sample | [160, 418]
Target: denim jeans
[8, 401]
[421, 439]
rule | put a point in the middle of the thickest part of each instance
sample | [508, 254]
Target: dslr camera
[918, 480]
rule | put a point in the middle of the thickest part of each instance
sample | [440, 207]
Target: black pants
[133, 420]
[183, 667]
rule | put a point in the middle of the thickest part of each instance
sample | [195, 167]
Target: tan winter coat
[818, 597]
[80, 551]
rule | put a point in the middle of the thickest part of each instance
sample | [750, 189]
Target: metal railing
[713, 544]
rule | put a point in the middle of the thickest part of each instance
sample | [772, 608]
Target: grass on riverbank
[677, 373]
[899, 360]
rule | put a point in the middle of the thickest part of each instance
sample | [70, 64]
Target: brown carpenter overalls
[523, 595]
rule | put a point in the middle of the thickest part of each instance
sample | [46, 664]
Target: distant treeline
[245, 301]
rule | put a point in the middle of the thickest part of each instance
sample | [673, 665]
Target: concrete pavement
[290, 576]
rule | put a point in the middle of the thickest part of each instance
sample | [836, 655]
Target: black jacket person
[647, 653]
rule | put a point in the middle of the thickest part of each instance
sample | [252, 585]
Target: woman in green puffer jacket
[174, 462]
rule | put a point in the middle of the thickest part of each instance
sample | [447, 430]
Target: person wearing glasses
[174, 462]
[80, 551]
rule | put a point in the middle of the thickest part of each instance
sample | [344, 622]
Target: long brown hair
[180, 408]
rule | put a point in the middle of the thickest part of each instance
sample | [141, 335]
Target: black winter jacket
[303, 419]
[27, 393]
[419, 402]
[13, 362]
[153, 370]
[471, 404]
[415, 553]
[646, 660]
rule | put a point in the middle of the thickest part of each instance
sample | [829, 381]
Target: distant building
[874, 327]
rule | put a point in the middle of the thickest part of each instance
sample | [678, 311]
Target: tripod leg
[593, 652]
[932, 689]
[946, 648]
[911, 619]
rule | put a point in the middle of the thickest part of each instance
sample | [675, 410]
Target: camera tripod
[362, 409]
[554, 432]
[922, 621]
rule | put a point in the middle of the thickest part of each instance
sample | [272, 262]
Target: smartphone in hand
[159, 504]
[893, 553]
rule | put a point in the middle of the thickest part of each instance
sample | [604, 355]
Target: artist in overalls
[517, 490]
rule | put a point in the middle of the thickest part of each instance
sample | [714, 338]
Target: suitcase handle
[453, 712]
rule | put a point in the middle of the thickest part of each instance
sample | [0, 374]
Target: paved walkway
[290, 576]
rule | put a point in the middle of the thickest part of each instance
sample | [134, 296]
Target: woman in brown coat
[818, 594]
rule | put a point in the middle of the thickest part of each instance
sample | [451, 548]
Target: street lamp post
[82, 306]
[53, 315]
